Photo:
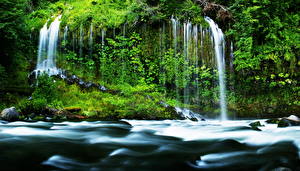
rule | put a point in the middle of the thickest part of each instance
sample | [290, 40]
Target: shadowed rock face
[10, 114]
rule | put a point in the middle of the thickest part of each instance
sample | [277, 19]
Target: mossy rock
[273, 121]
[39, 118]
[73, 109]
[255, 125]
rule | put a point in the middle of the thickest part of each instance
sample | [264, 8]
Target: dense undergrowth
[264, 81]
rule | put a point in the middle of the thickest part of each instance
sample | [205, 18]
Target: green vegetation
[136, 57]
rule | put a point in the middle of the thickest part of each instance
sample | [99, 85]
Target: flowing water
[47, 52]
[147, 145]
[81, 36]
[219, 44]
[91, 40]
[65, 34]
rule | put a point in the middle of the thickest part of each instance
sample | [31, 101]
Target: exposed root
[210, 8]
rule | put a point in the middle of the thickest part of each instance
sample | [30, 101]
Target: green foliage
[45, 93]
[45, 89]
[133, 102]
[3, 77]
[32, 106]
[270, 37]
[121, 61]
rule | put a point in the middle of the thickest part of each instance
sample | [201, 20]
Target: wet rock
[75, 117]
[194, 119]
[125, 123]
[50, 111]
[273, 121]
[39, 118]
[255, 125]
[102, 88]
[10, 114]
[292, 120]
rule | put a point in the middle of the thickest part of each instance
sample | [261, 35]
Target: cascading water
[231, 57]
[162, 39]
[187, 42]
[80, 41]
[91, 40]
[175, 26]
[47, 51]
[219, 45]
[200, 45]
[196, 62]
[65, 34]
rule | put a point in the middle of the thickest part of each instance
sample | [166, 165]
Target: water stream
[47, 50]
[219, 45]
[147, 145]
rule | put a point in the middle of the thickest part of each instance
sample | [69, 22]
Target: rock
[50, 111]
[75, 117]
[39, 118]
[292, 120]
[73, 109]
[102, 88]
[255, 125]
[194, 119]
[10, 114]
[273, 121]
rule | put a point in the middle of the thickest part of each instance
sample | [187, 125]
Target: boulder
[273, 121]
[194, 119]
[255, 125]
[10, 114]
[289, 121]
[293, 118]
[75, 117]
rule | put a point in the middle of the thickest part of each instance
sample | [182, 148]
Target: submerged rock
[10, 114]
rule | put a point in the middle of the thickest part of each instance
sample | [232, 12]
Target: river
[147, 145]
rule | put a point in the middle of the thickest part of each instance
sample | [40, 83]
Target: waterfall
[65, 34]
[162, 47]
[187, 27]
[80, 41]
[102, 37]
[219, 45]
[47, 51]
[175, 27]
[196, 62]
[91, 40]
[231, 57]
